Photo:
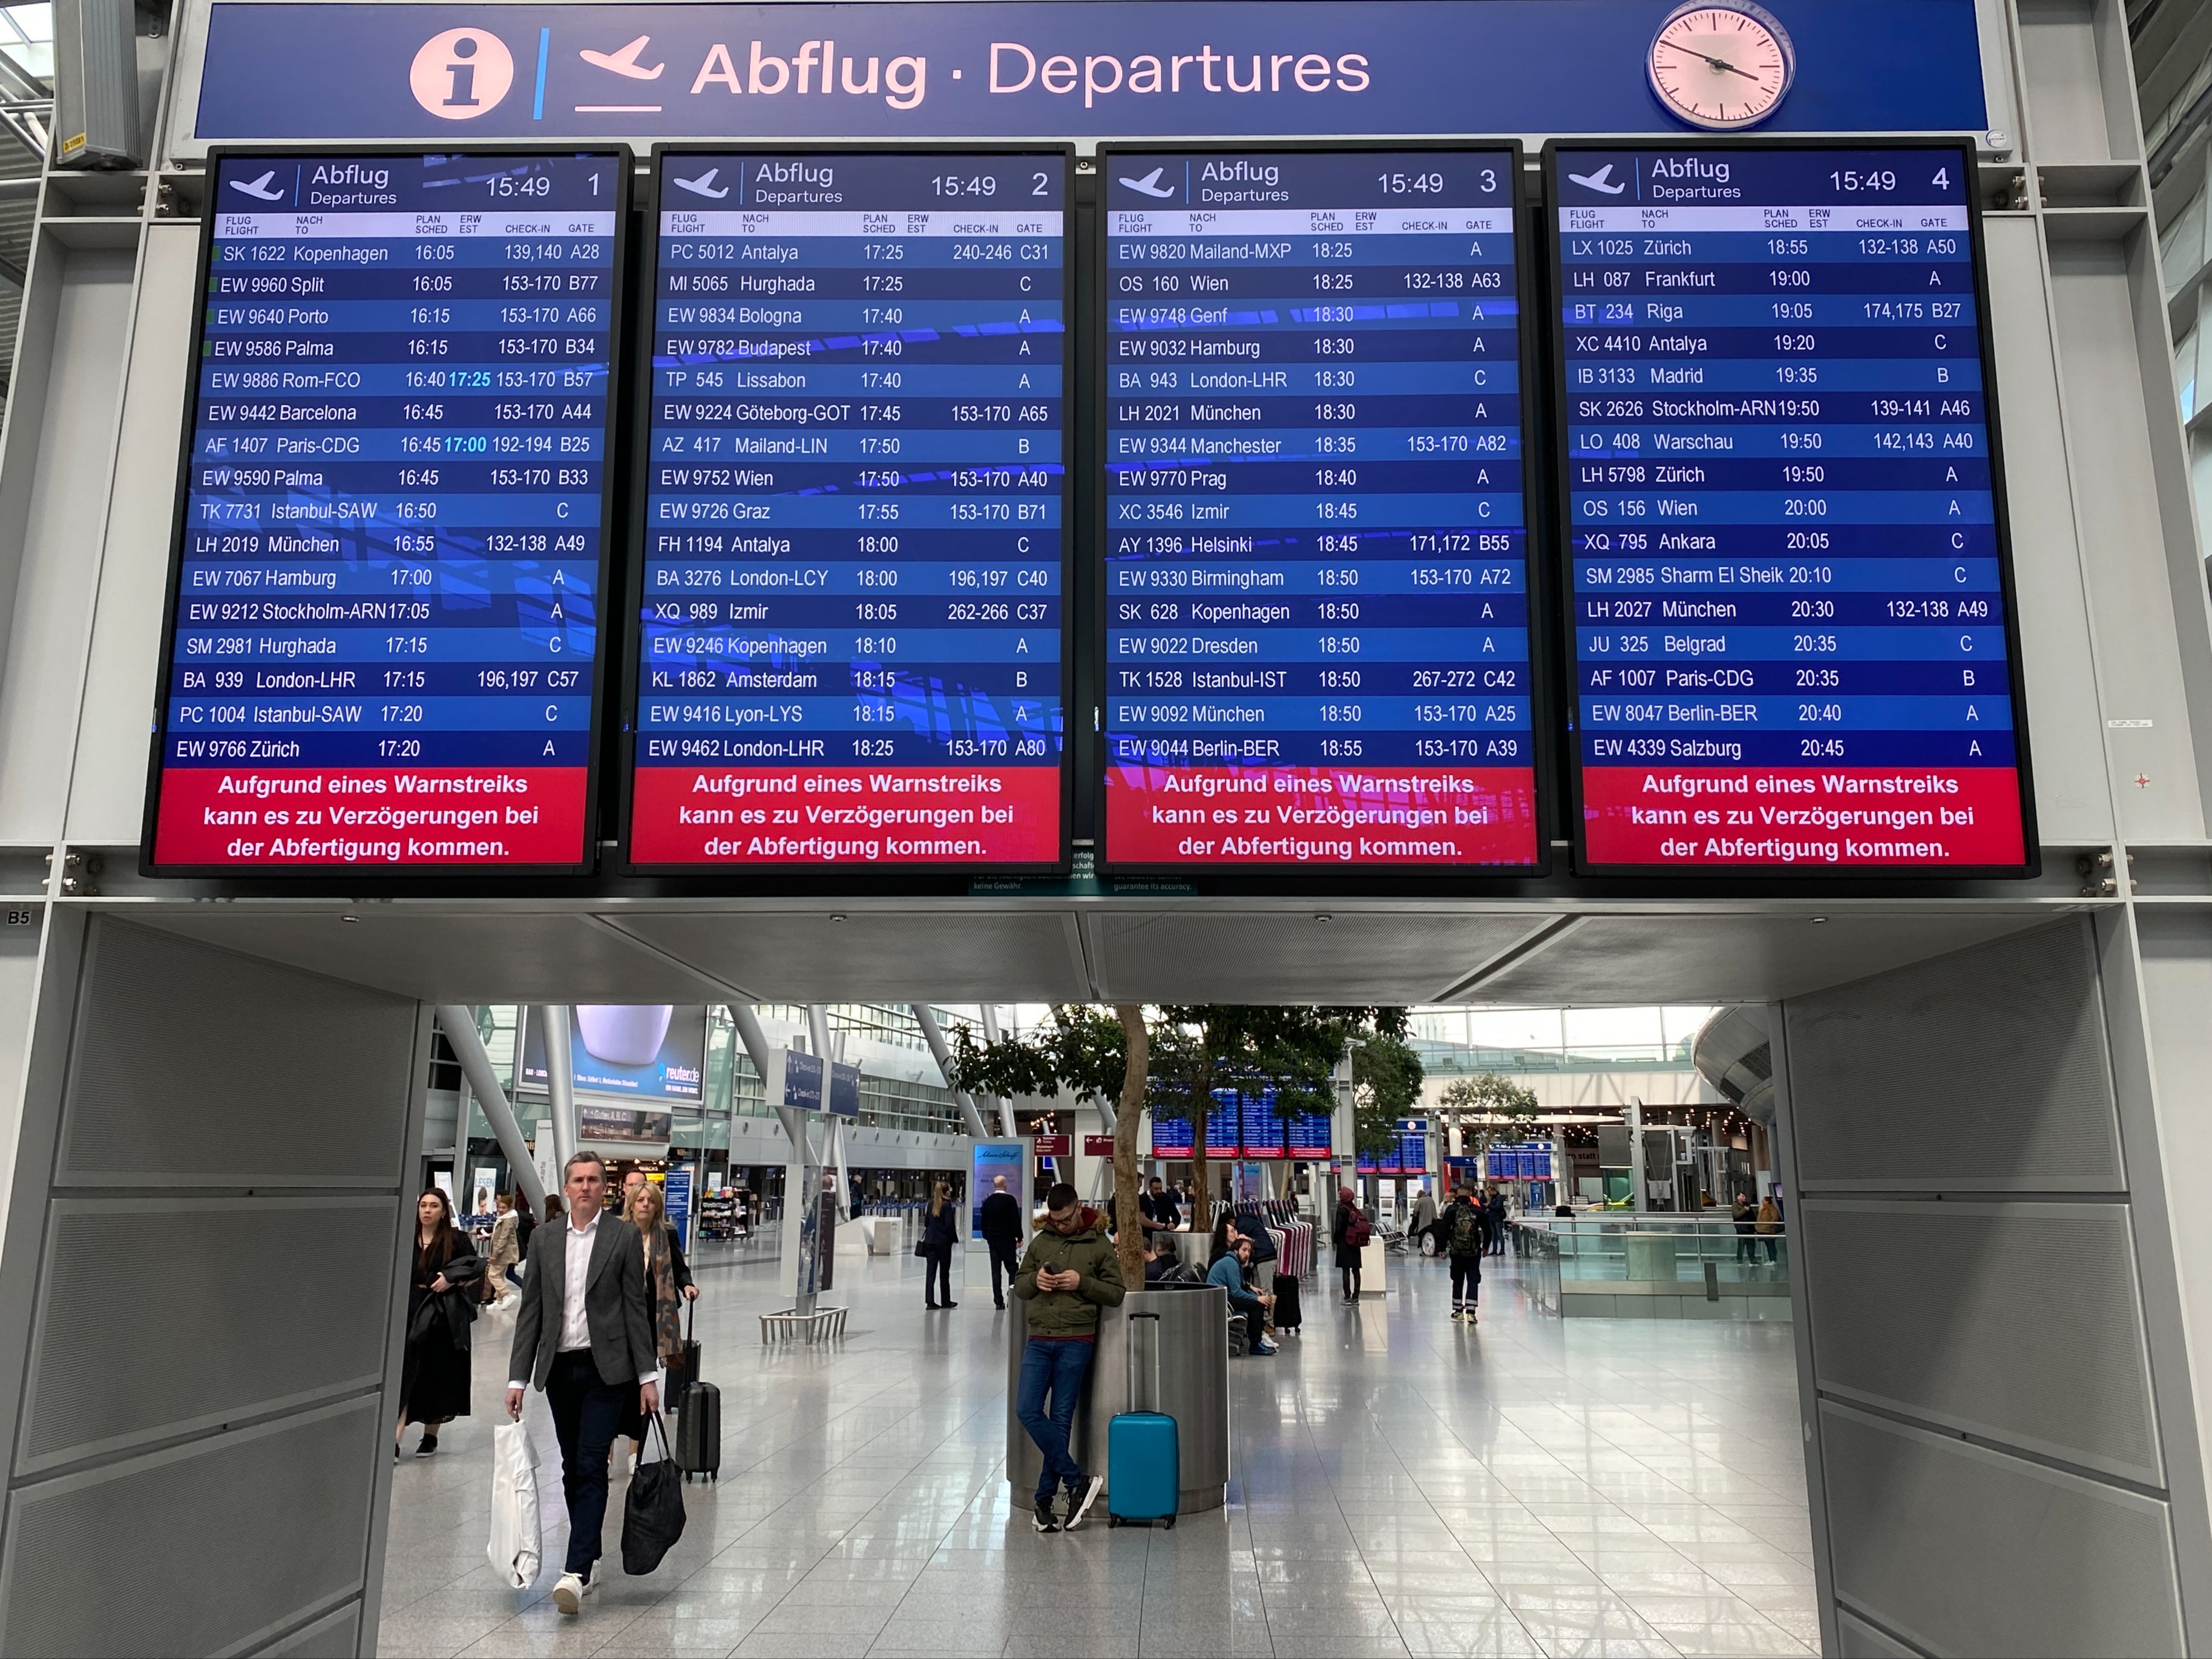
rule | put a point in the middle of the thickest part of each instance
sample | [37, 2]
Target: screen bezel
[1536, 564]
[380, 878]
[1563, 506]
[781, 876]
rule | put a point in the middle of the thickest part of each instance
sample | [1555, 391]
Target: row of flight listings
[847, 634]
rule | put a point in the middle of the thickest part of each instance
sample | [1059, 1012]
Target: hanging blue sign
[844, 1090]
[1008, 69]
[802, 1081]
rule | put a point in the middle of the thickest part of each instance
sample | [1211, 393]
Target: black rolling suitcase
[1286, 1303]
[698, 1418]
[688, 1367]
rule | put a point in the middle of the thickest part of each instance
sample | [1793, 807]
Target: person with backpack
[1349, 1234]
[1465, 1236]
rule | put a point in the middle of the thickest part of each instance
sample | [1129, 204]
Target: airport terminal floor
[1400, 1485]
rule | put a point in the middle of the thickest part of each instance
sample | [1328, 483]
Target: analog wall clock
[1722, 67]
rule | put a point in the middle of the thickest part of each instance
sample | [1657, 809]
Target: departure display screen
[1317, 629]
[382, 645]
[854, 565]
[1791, 597]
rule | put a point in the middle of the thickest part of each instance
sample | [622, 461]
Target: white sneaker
[1082, 1511]
[570, 1593]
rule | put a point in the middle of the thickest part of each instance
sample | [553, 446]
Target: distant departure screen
[1316, 563]
[854, 591]
[383, 643]
[1792, 640]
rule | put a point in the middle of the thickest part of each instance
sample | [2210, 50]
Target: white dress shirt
[575, 1331]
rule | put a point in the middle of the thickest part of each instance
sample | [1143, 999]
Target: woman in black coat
[940, 1236]
[441, 1296]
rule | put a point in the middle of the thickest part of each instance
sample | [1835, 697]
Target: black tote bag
[653, 1515]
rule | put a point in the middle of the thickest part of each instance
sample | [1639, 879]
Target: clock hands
[1712, 62]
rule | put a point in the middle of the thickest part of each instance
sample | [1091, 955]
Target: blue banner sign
[1008, 69]
[844, 1090]
[802, 1081]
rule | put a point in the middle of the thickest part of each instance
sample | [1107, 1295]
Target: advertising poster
[649, 1049]
[993, 1158]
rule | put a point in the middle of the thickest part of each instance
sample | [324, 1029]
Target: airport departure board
[382, 643]
[852, 576]
[1314, 526]
[1791, 600]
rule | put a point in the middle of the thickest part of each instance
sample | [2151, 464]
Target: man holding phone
[1068, 1273]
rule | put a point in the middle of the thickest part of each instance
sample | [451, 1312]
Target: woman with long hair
[648, 1214]
[940, 1235]
[441, 1292]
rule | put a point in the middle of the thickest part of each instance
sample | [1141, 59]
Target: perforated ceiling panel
[1027, 955]
[1986, 1071]
[1192, 954]
[1737, 956]
[158, 1316]
[2020, 1322]
[193, 1066]
[2049, 1563]
[447, 954]
[195, 1550]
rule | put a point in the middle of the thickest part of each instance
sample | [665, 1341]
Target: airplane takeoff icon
[258, 189]
[702, 185]
[1150, 185]
[1599, 180]
[624, 61]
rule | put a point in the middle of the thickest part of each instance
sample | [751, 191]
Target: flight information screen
[853, 581]
[1793, 641]
[1316, 628]
[382, 648]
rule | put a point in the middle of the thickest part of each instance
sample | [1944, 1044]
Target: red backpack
[1356, 1232]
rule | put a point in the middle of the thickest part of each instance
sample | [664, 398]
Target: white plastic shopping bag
[514, 1545]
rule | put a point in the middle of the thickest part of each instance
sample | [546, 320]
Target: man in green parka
[1068, 1273]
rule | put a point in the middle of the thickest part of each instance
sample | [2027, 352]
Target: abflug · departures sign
[992, 69]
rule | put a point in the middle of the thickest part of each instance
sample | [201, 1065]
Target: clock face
[1722, 67]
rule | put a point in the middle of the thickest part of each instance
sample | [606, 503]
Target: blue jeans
[1056, 1369]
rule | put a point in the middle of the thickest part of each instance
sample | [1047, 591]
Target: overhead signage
[381, 648]
[802, 1080]
[1311, 1134]
[1793, 629]
[853, 583]
[1052, 1146]
[1014, 68]
[1098, 1145]
[1314, 512]
[1262, 1128]
[623, 1124]
[844, 1090]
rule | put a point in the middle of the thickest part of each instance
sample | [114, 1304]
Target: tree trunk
[1130, 1238]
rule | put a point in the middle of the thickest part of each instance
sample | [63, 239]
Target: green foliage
[1492, 1096]
[1386, 1076]
[1083, 1052]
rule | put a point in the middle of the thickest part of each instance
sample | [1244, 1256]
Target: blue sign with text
[986, 68]
[802, 1081]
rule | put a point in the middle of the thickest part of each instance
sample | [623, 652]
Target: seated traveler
[1229, 1274]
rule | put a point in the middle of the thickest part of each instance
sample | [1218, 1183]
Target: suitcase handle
[1132, 1320]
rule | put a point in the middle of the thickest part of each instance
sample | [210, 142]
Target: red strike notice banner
[878, 815]
[387, 815]
[1291, 815]
[1822, 816]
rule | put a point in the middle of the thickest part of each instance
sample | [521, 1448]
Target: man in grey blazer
[584, 1334]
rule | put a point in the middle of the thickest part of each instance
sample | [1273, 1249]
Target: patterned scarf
[667, 1305]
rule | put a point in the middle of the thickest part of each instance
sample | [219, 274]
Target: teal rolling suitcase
[1144, 1457]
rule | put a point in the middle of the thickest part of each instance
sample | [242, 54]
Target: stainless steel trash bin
[1193, 1391]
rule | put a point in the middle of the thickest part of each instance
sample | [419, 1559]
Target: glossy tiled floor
[1402, 1485]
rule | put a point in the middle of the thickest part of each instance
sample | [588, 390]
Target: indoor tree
[1170, 1059]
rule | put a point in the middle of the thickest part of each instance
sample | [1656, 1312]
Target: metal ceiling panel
[1192, 954]
[447, 956]
[1740, 957]
[961, 954]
